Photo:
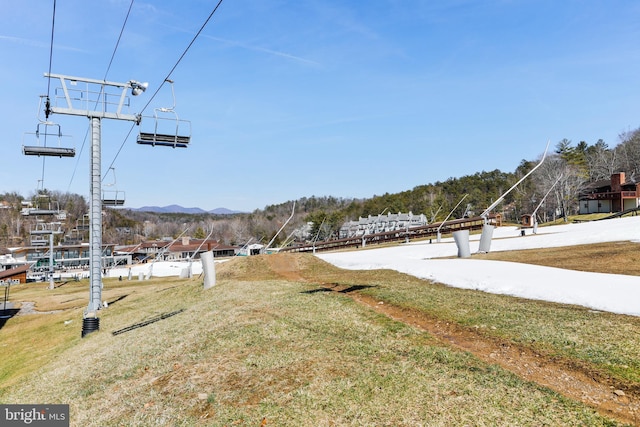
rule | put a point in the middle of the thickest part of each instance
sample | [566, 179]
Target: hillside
[289, 340]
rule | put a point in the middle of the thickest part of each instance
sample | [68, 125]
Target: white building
[381, 223]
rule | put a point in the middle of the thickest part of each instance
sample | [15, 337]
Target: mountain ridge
[181, 209]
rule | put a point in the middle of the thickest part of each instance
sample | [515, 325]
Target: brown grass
[614, 258]
[269, 344]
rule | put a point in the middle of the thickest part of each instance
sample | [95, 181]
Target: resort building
[610, 196]
[381, 223]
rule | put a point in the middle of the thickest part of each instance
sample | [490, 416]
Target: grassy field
[271, 344]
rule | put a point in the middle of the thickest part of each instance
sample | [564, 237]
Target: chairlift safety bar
[176, 139]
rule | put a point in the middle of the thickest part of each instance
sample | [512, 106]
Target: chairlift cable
[183, 55]
[113, 55]
[73, 174]
[106, 73]
[159, 87]
[53, 24]
[42, 175]
[119, 150]
[168, 76]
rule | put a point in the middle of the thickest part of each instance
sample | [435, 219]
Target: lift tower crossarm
[93, 99]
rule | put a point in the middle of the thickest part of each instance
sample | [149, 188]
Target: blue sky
[290, 99]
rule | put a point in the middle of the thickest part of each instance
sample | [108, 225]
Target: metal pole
[485, 214]
[450, 213]
[90, 322]
[51, 284]
[95, 212]
[283, 225]
[315, 239]
[535, 212]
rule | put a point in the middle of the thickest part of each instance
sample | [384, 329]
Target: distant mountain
[223, 211]
[180, 209]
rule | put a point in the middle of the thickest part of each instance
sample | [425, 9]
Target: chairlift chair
[113, 197]
[39, 240]
[41, 232]
[42, 206]
[42, 149]
[167, 131]
[83, 224]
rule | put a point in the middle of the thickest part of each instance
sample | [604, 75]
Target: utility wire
[169, 75]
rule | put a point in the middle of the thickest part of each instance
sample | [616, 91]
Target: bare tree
[628, 154]
[239, 231]
[568, 179]
[601, 161]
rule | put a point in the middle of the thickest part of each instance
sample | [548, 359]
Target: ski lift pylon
[168, 131]
[112, 197]
[43, 148]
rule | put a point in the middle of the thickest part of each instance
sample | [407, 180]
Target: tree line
[554, 187]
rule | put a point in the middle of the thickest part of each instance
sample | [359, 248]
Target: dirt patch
[28, 307]
[287, 266]
[618, 401]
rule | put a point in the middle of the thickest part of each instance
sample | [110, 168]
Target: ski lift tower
[97, 100]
